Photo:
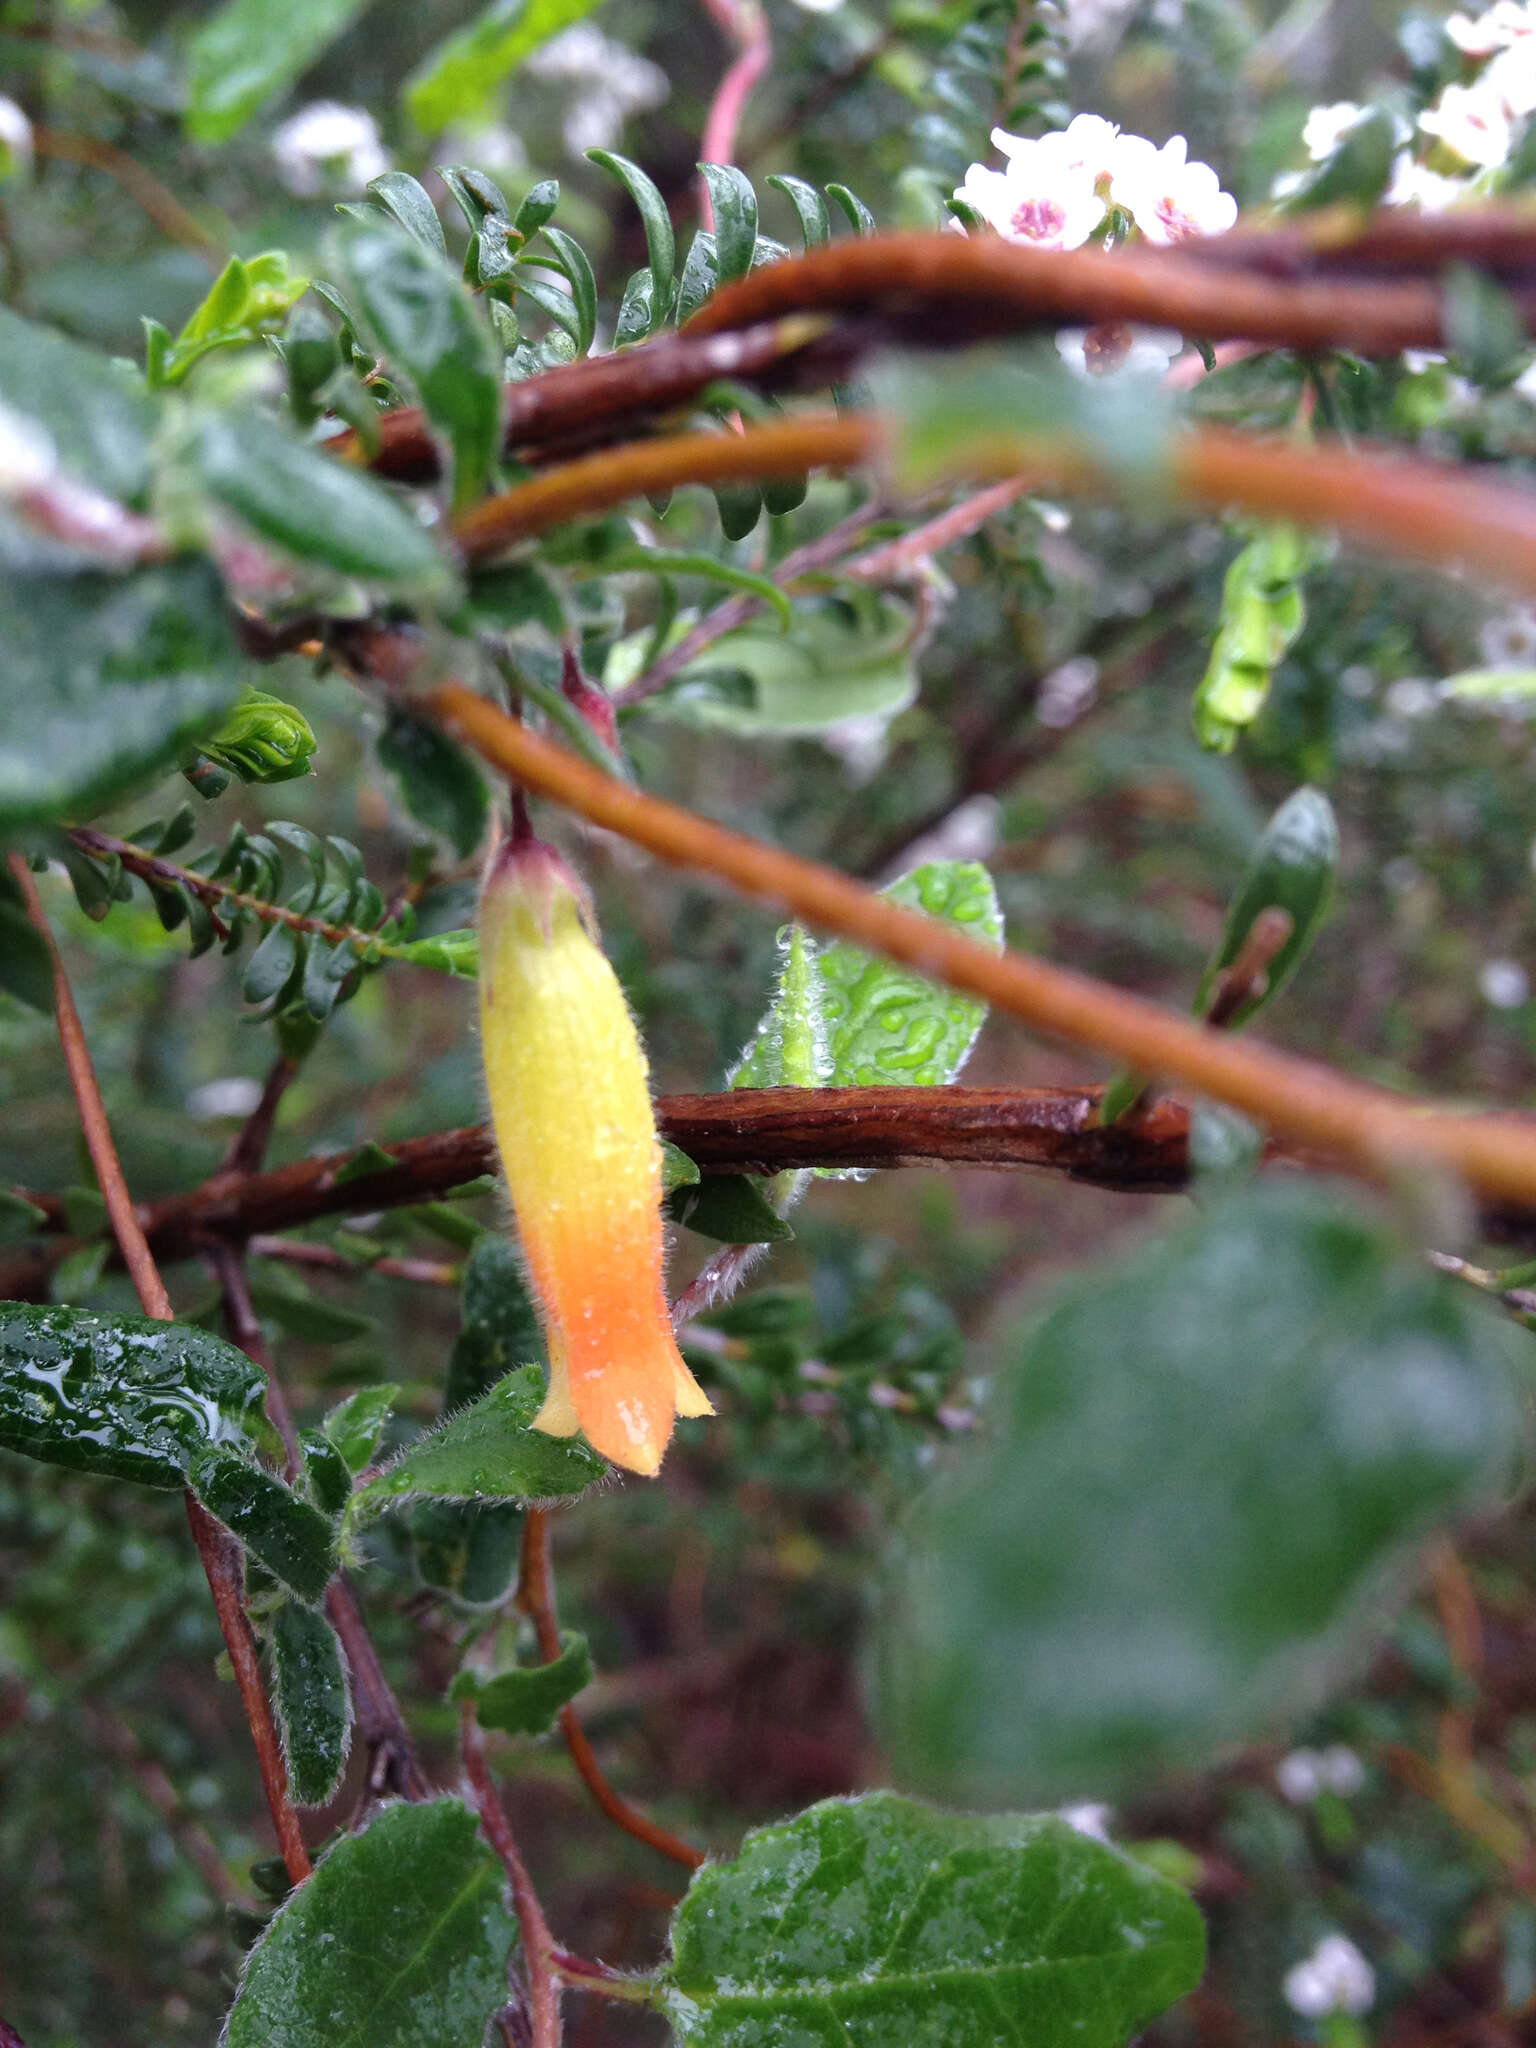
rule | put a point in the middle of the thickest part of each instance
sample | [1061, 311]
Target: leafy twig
[536, 1598]
[426, 1272]
[1307, 1102]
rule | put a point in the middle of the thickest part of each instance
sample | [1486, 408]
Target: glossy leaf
[735, 229]
[407, 200]
[442, 787]
[870, 1920]
[308, 503]
[838, 660]
[790, 1048]
[108, 680]
[427, 329]
[293, 1540]
[810, 209]
[94, 410]
[577, 271]
[858, 215]
[660, 244]
[527, 1699]
[486, 1452]
[700, 276]
[249, 50]
[1205, 1467]
[120, 1395]
[677, 1170]
[400, 1939]
[1291, 869]
[355, 1425]
[313, 1702]
[885, 1023]
[459, 83]
[327, 1474]
[729, 1207]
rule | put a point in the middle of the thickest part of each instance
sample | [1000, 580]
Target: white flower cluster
[328, 148]
[611, 83]
[1470, 130]
[1334, 1978]
[1057, 190]
[1305, 1774]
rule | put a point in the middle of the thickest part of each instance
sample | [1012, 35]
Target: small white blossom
[28, 459]
[1473, 122]
[15, 140]
[1087, 143]
[1169, 198]
[1307, 1773]
[1506, 22]
[327, 147]
[1509, 641]
[1334, 1978]
[1326, 128]
[235, 1095]
[1504, 983]
[1411, 697]
[1342, 1770]
[1511, 79]
[1037, 201]
[1106, 350]
[1067, 692]
[613, 83]
[1414, 184]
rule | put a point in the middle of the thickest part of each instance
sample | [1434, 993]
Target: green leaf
[26, 966]
[514, 594]
[501, 1325]
[527, 1699]
[885, 1023]
[407, 199]
[486, 1452]
[740, 507]
[455, 953]
[108, 680]
[94, 410]
[840, 659]
[442, 787]
[859, 217]
[430, 333]
[1206, 1468]
[459, 83]
[355, 1425]
[728, 1207]
[677, 1170]
[1357, 172]
[20, 1218]
[400, 1939]
[790, 1047]
[1262, 612]
[120, 1395]
[735, 209]
[250, 299]
[271, 965]
[327, 1474]
[677, 562]
[810, 209]
[312, 505]
[1494, 686]
[293, 1540]
[470, 1553]
[660, 244]
[869, 1920]
[262, 740]
[1291, 869]
[279, 1293]
[248, 51]
[313, 1702]
[577, 271]
[700, 276]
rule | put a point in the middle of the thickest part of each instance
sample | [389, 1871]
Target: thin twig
[223, 1559]
[820, 553]
[162, 206]
[249, 1149]
[538, 1944]
[1304, 1101]
[743, 23]
[909, 551]
[325, 1257]
[536, 1598]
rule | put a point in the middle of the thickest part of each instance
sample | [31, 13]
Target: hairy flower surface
[569, 1098]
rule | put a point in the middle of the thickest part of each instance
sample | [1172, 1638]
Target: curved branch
[1312, 1104]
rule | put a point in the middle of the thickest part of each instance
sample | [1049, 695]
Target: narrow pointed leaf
[407, 199]
[735, 208]
[313, 1702]
[355, 1426]
[660, 244]
[729, 1207]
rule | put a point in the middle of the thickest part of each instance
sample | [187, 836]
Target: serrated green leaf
[486, 1452]
[355, 1425]
[120, 1395]
[248, 51]
[459, 83]
[295, 1542]
[311, 505]
[400, 1939]
[729, 1207]
[313, 1702]
[873, 1919]
[441, 785]
[790, 1048]
[94, 410]
[527, 1699]
[1204, 1471]
[735, 209]
[429, 332]
[470, 1553]
[660, 244]
[886, 1024]
[109, 679]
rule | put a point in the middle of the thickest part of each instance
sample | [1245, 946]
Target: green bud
[262, 740]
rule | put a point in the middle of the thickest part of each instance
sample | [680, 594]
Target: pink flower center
[1038, 219]
[1180, 225]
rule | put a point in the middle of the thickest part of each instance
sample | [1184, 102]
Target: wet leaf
[441, 786]
[355, 1426]
[313, 1702]
[729, 1207]
[295, 1542]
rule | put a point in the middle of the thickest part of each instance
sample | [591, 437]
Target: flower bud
[571, 1108]
[262, 740]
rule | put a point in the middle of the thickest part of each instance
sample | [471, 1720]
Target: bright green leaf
[313, 1702]
[94, 410]
[660, 243]
[871, 1920]
[526, 1699]
[459, 83]
[262, 740]
[400, 1939]
[838, 660]
[429, 332]
[119, 1395]
[1205, 1467]
[790, 1047]
[729, 1207]
[251, 49]
[486, 1452]
[885, 1023]
[355, 1425]
[1291, 869]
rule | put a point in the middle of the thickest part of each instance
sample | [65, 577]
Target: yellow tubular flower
[572, 1113]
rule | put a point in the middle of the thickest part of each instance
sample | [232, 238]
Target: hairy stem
[538, 1945]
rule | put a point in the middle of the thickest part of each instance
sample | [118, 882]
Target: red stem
[538, 1944]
